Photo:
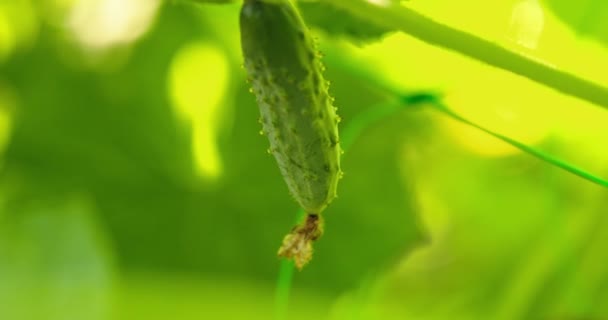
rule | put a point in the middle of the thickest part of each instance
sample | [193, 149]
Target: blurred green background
[134, 183]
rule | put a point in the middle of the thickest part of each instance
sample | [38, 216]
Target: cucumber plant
[297, 112]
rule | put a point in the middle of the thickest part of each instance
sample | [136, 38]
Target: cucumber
[297, 112]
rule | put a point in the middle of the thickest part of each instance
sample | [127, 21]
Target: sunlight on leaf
[473, 89]
[337, 22]
[520, 116]
[198, 82]
[588, 18]
[506, 21]
[503, 101]
[487, 19]
[562, 46]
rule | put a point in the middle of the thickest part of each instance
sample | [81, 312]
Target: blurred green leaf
[339, 23]
[588, 18]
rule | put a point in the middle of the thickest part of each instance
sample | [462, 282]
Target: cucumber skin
[296, 109]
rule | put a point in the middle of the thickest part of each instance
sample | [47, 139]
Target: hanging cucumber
[296, 110]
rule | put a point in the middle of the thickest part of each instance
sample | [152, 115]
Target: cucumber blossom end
[297, 245]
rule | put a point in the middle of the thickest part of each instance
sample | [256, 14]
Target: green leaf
[588, 18]
[337, 22]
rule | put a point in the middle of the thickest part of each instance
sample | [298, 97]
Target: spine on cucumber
[296, 109]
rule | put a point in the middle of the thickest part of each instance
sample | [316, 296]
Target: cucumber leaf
[339, 23]
[588, 18]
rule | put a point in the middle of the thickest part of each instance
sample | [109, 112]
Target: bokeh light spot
[18, 26]
[198, 81]
[527, 23]
[101, 24]
[7, 37]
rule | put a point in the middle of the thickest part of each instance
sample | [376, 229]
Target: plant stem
[407, 20]
[285, 281]
[439, 106]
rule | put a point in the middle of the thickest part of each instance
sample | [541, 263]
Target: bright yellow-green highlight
[495, 99]
[519, 113]
[198, 80]
[18, 26]
[7, 37]
[507, 103]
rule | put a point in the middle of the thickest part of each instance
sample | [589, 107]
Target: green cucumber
[296, 110]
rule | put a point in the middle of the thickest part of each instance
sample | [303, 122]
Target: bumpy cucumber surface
[296, 110]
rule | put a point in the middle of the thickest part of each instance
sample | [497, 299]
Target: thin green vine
[439, 106]
[285, 280]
